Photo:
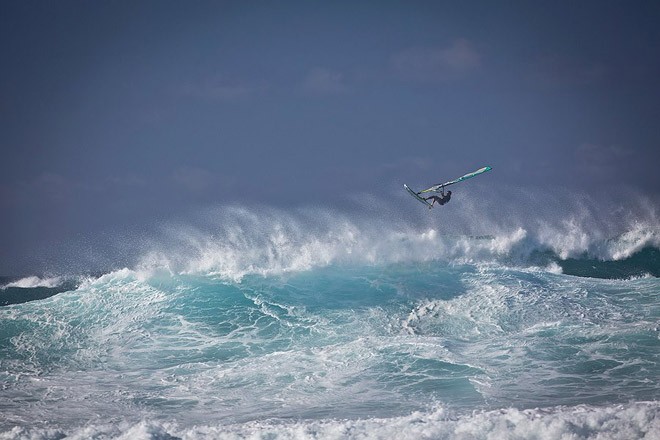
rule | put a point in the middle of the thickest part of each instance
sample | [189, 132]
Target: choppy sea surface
[317, 324]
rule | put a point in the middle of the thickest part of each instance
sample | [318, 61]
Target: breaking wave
[629, 421]
[316, 323]
[232, 242]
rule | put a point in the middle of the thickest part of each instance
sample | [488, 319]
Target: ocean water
[263, 323]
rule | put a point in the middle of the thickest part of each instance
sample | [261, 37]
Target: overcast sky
[118, 113]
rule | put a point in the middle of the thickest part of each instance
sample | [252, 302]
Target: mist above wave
[503, 225]
[232, 241]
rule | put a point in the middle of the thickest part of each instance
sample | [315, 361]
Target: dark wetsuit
[440, 200]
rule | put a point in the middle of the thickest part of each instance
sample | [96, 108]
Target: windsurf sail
[439, 186]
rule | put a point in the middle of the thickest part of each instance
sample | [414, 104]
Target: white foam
[34, 281]
[637, 420]
[632, 241]
[554, 268]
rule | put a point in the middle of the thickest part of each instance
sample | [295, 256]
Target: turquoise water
[337, 330]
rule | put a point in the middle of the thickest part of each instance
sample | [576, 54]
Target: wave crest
[231, 242]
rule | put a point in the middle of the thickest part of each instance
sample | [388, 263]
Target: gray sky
[117, 114]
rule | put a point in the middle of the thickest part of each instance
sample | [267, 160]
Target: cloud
[49, 187]
[555, 70]
[127, 181]
[221, 88]
[428, 64]
[320, 81]
[602, 160]
[193, 179]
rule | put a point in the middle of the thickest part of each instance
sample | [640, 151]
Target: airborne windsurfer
[440, 200]
[441, 188]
